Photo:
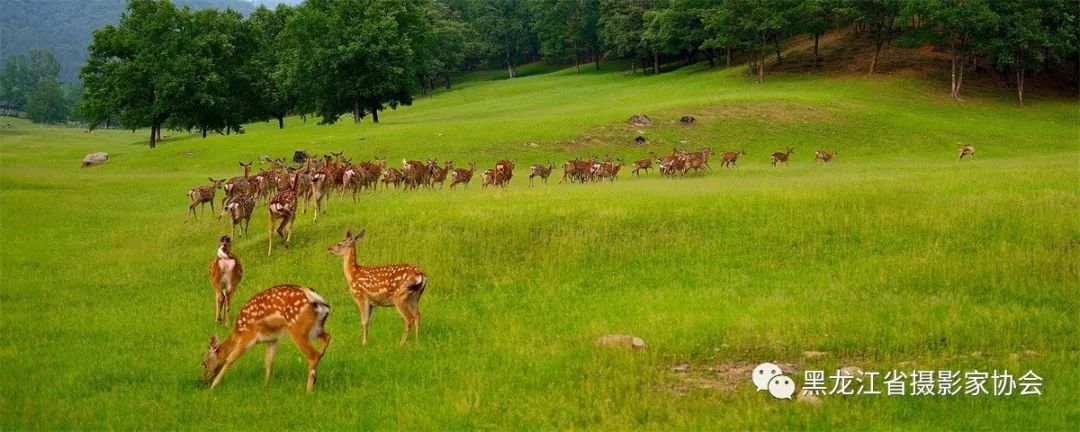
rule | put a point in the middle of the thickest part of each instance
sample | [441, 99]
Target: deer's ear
[360, 235]
[348, 234]
[213, 342]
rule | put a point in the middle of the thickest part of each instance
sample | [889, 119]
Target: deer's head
[213, 362]
[346, 245]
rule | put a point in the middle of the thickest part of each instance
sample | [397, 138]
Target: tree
[620, 27]
[449, 44]
[720, 28]
[132, 69]
[356, 56]
[272, 98]
[22, 74]
[815, 17]
[759, 23]
[965, 27]
[1029, 32]
[879, 17]
[46, 104]
[505, 27]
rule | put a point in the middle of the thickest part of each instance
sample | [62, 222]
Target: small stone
[1031, 353]
[621, 341]
[808, 399]
[93, 159]
[1014, 356]
[681, 368]
[814, 355]
[788, 368]
[640, 139]
[977, 354]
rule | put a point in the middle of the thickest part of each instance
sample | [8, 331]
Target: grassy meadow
[893, 256]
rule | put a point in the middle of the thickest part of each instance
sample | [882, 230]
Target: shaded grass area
[894, 253]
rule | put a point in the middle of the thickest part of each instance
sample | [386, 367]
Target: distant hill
[65, 27]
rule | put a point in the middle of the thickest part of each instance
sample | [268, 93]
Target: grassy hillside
[894, 256]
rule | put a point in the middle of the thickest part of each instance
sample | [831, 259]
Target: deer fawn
[463, 175]
[268, 316]
[239, 209]
[200, 195]
[782, 157]
[824, 156]
[399, 285]
[729, 158]
[283, 207]
[967, 150]
[225, 274]
[539, 170]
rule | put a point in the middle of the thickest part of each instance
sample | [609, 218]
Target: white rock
[814, 355]
[95, 159]
[621, 341]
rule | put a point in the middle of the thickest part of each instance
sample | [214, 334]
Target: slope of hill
[894, 256]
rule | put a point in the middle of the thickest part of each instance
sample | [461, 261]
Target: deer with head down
[824, 156]
[967, 150]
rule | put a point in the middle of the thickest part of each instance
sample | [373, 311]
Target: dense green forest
[192, 68]
[65, 27]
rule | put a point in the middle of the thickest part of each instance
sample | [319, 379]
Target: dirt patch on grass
[684, 377]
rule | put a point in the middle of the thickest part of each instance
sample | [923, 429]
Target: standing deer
[966, 150]
[824, 156]
[225, 274]
[438, 175]
[539, 170]
[729, 158]
[487, 178]
[239, 209]
[268, 316]
[782, 157]
[504, 171]
[283, 207]
[200, 195]
[398, 285]
[463, 175]
[238, 185]
[644, 164]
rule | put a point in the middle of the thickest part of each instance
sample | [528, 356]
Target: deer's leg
[242, 346]
[301, 338]
[219, 302]
[365, 317]
[270, 234]
[271, 348]
[401, 303]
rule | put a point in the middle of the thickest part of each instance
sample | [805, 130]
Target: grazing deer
[200, 195]
[463, 175]
[729, 158]
[239, 185]
[966, 150]
[824, 156]
[266, 318]
[644, 164]
[239, 209]
[283, 207]
[539, 170]
[782, 157]
[225, 274]
[398, 285]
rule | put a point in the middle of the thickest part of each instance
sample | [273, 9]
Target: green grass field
[894, 256]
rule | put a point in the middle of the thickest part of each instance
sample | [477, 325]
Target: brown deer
[729, 159]
[463, 175]
[504, 171]
[782, 157]
[644, 164]
[398, 285]
[200, 195]
[392, 177]
[438, 175]
[283, 206]
[239, 209]
[225, 274]
[967, 150]
[239, 185]
[487, 178]
[824, 156]
[539, 170]
[284, 309]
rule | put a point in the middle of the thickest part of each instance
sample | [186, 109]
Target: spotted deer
[239, 209]
[200, 195]
[283, 207]
[391, 177]
[539, 170]
[398, 285]
[271, 314]
[824, 156]
[729, 159]
[487, 178]
[967, 150]
[504, 171]
[225, 274]
[462, 175]
[644, 164]
[238, 185]
[438, 175]
[782, 157]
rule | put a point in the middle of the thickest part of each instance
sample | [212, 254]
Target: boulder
[641, 140]
[640, 120]
[94, 159]
[687, 120]
[621, 341]
[814, 355]
[299, 156]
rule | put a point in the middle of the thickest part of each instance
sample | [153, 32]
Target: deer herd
[300, 312]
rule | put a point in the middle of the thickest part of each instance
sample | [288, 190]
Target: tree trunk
[776, 43]
[448, 80]
[281, 122]
[952, 76]
[153, 135]
[204, 133]
[1019, 83]
[877, 53]
[655, 63]
[728, 56]
[960, 77]
[596, 58]
[356, 110]
[817, 59]
[577, 62]
[375, 115]
[709, 55]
